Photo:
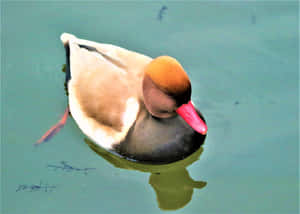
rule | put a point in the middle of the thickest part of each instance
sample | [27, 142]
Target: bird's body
[119, 100]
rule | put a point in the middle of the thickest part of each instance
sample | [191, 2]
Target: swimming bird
[131, 104]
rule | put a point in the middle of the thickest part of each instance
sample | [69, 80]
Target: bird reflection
[172, 183]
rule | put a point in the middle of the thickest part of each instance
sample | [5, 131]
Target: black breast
[160, 141]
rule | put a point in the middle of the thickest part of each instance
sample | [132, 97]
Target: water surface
[242, 59]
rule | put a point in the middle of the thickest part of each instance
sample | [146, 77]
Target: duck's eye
[166, 111]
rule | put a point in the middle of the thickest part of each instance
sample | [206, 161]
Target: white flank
[130, 114]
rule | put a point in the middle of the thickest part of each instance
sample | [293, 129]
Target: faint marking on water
[35, 187]
[68, 168]
[161, 13]
[253, 19]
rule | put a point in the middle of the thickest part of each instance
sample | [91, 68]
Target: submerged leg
[58, 126]
[54, 129]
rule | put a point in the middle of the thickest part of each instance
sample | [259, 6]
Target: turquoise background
[242, 59]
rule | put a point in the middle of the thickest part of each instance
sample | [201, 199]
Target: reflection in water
[172, 183]
[174, 189]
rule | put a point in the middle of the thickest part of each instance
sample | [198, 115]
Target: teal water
[242, 59]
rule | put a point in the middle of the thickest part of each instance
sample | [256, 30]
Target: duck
[135, 106]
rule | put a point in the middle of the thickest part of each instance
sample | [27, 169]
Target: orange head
[167, 73]
[167, 92]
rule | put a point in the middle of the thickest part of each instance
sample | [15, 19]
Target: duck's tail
[65, 38]
[54, 129]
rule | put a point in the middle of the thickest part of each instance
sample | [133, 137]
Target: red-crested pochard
[129, 103]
